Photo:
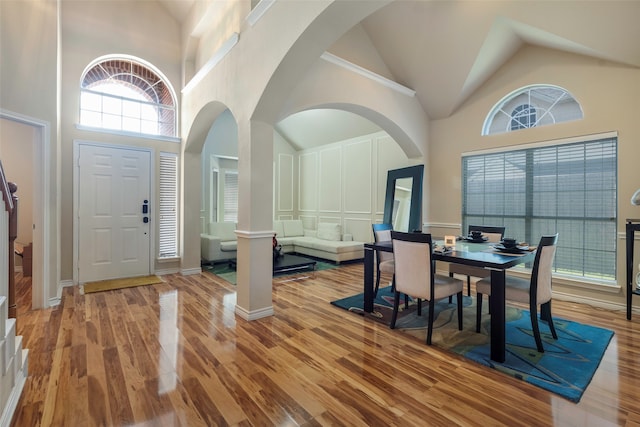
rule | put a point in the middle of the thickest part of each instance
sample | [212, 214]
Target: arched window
[125, 94]
[523, 116]
[531, 106]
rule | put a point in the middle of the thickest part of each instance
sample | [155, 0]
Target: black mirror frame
[415, 214]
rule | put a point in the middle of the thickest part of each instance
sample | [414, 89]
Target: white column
[255, 220]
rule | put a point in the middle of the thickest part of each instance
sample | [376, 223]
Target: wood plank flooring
[175, 354]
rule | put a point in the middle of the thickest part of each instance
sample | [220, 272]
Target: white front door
[113, 188]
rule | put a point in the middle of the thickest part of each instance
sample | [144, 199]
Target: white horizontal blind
[231, 196]
[570, 189]
[168, 222]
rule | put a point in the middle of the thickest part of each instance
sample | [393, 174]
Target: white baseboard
[190, 271]
[256, 314]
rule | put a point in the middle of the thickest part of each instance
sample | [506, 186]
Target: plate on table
[518, 249]
[471, 239]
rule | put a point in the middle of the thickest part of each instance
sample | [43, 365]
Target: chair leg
[536, 328]
[459, 311]
[478, 312]
[394, 315]
[375, 291]
[406, 301]
[419, 307]
[545, 314]
[432, 308]
[450, 296]
[468, 285]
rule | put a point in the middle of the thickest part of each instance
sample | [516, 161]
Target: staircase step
[9, 343]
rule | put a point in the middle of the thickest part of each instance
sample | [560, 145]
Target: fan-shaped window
[532, 106]
[124, 94]
[523, 116]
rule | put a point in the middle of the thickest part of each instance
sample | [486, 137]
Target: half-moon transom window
[537, 105]
[126, 95]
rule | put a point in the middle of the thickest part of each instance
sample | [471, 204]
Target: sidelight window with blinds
[231, 196]
[168, 218]
[569, 188]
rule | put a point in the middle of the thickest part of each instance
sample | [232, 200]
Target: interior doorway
[40, 212]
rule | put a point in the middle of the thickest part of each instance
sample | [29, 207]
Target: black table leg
[368, 280]
[497, 307]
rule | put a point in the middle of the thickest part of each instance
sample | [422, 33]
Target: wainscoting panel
[307, 187]
[358, 176]
[360, 228]
[329, 182]
[309, 222]
[331, 220]
[285, 182]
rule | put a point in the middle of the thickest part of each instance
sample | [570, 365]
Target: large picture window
[569, 188]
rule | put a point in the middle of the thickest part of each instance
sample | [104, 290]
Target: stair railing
[8, 190]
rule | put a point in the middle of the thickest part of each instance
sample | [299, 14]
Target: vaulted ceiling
[445, 50]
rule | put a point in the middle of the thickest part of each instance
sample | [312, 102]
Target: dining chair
[384, 260]
[415, 276]
[536, 291]
[493, 235]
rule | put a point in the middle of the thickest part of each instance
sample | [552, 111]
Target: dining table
[482, 255]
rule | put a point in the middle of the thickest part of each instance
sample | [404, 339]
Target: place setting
[475, 236]
[511, 246]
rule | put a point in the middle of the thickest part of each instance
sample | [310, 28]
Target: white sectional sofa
[327, 242]
[220, 243]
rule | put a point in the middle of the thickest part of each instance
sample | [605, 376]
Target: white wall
[17, 151]
[342, 183]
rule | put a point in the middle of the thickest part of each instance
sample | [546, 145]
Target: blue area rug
[565, 368]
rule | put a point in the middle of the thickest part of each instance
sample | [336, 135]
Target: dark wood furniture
[533, 291]
[633, 225]
[475, 255]
[287, 263]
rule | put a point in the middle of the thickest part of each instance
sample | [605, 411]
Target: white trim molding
[211, 63]
[255, 314]
[329, 57]
[257, 12]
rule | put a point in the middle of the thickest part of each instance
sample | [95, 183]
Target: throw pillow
[328, 231]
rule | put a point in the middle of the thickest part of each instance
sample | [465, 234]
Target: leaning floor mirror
[403, 198]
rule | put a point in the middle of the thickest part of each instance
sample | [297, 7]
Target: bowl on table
[476, 235]
[509, 243]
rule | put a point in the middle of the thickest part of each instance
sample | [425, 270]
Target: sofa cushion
[225, 231]
[229, 246]
[330, 246]
[328, 231]
[278, 228]
[292, 228]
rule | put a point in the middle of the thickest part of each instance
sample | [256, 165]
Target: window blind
[570, 189]
[231, 196]
[168, 218]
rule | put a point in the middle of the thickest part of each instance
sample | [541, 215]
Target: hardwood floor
[174, 354]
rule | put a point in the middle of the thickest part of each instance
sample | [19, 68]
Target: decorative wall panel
[285, 182]
[358, 176]
[329, 183]
[309, 222]
[359, 228]
[307, 187]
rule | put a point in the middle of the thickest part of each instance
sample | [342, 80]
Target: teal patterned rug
[565, 368]
[229, 274]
